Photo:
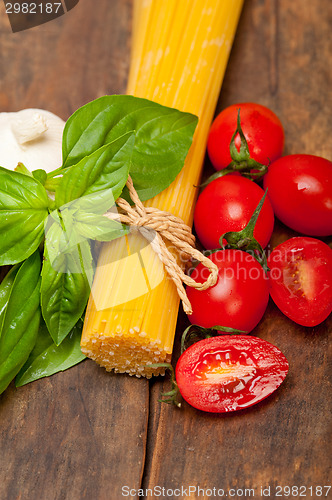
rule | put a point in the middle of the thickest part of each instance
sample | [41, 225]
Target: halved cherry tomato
[301, 279]
[230, 372]
[238, 299]
[300, 190]
[261, 127]
[227, 204]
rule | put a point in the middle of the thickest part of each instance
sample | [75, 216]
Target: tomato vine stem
[241, 159]
[196, 333]
[172, 396]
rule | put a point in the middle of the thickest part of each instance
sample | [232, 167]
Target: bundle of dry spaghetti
[180, 50]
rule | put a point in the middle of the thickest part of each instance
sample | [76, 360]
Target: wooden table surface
[86, 434]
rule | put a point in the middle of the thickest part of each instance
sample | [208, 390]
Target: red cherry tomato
[300, 190]
[230, 372]
[261, 127]
[238, 299]
[227, 204]
[301, 280]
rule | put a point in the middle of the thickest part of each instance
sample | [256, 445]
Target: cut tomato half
[301, 280]
[230, 372]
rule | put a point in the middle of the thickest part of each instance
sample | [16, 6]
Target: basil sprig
[103, 142]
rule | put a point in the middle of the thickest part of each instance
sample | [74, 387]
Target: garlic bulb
[33, 137]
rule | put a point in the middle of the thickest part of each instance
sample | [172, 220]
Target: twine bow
[156, 226]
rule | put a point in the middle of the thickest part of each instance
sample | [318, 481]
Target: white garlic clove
[29, 128]
[33, 137]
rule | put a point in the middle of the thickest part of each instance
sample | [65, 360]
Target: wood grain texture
[67, 62]
[85, 433]
[73, 435]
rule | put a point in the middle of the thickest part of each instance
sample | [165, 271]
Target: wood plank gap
[146, 444]
[153, 417]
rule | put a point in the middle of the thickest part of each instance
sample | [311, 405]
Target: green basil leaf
[20, 320]
[63, 297]
[56, 238]
[68, 232]
[99, 177]
[65, 284]
[40, 175]
[22, 169]
[6, 286]
[47, 358]
[86, 258]
[67, 249]
[23, 209]
[98, 227]
[162, 137]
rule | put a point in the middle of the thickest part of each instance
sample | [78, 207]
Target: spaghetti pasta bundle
[179, 56]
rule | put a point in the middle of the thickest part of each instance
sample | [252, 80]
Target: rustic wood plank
[81, 433]
[279, 59]
[73, 435]
[67, 62]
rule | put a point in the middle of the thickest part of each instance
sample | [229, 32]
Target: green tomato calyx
[245, 240]
[241, 159]
[195, 333]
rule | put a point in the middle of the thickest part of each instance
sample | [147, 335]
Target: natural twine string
[156, 226]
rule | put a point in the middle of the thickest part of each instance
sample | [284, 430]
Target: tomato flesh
[262, 129]
[300, 190]
[238, 299]
[301, 280]
[228, 373]
[227, 204]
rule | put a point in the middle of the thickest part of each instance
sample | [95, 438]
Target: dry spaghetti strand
[157, 226]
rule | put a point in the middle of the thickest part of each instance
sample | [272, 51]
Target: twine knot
[157, 226]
